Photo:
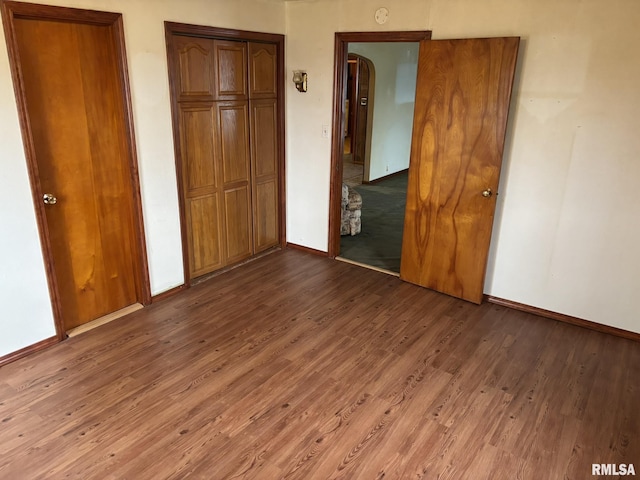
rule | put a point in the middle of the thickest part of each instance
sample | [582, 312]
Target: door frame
[173, 28]
[342, 39]
[12, 10]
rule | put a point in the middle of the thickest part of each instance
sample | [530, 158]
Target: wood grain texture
[235, 165]
[264, 172]
[195, 57]
[234, 160]
[263, 70]
[117, 65]
[462, 101]
[78, 125]
[202, 187]
[327, 370]
[230, 69]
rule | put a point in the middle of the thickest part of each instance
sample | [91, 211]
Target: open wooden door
[462, 101]
[70, 81]
[360, 108]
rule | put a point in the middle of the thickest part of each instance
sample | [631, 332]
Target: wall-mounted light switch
[325, 131]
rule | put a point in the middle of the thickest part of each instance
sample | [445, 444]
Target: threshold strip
[370, 267]
[105, 319]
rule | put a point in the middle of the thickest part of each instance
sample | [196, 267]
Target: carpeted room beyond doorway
[380, 242]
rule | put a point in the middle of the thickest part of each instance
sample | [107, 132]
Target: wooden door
[263, 70]
[361, 112]
[462, 100]
[227, 111]
[213, 116]
[202, 188]
[230, 70]
[263, 104]
[75, 110]
[233, 161]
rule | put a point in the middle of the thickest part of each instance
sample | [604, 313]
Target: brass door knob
[49, 199]
[487, 193]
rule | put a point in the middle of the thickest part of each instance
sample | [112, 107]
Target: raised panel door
[230, 60]
[237, 209]
[195, 58]
[202, 188]
[233, 158]
[198, 129]
[266, 217]
[206, 252]
[264, 155]
[225, 102]
[263, 71]
[233, 141]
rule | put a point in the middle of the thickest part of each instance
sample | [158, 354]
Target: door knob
[487, 193]
[49, 199]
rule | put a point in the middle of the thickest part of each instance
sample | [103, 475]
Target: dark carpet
[380, 242]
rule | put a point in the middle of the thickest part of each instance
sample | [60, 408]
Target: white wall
[25, 312]
[396, 67]
[567, 229]
[26, 316]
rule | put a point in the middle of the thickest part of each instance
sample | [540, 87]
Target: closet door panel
[233, 122]
[195, 60]
[462, 105]
[264, 155]
[198, 130]
[225, 106]
[263, 71]
[205, 245]
[230, 70]
[233, 157]
[238, 229]
[202, 188]
[265, 216]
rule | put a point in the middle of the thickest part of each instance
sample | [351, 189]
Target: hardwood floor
[300, 367]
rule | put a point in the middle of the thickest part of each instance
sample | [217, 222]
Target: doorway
[228, 122]
[463, 92]
[69, 72]
[384, 192]
[382, 180]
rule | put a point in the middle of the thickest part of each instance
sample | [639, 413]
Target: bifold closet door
[227, 95]
[233, 159]
[264, 155]
[202, 188]
[263, 104]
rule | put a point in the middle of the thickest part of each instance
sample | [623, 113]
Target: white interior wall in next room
[396, 67]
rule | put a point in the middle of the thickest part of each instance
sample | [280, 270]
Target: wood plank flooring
[300, 367]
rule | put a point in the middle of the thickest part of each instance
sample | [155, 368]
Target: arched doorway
[359, 111]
